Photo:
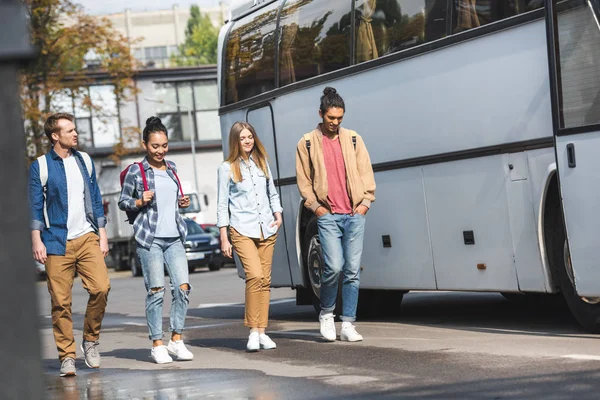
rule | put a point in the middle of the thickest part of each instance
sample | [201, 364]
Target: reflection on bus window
[474, 13]
[250, 63]
[388, 26]
[314, 38]
[578, 38]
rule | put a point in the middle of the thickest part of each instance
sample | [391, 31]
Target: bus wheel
[314, 267]
[586, 310]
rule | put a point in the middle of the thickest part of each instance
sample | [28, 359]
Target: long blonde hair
[236, 151]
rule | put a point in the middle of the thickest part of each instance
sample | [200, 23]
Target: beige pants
[256, 256]
[84, 256]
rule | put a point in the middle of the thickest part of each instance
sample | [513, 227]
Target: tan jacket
[311, 175]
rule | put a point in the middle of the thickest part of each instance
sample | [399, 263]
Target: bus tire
[314, 267]
[585, 311]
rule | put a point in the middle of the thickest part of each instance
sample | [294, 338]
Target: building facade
[156, 35]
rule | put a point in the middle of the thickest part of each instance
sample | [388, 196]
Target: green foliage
[200, 45]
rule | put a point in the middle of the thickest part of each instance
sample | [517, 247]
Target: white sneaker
[349, 333]
[178, 350]
[327, 326]
[266, 342]
[160, 355]
[253, 342]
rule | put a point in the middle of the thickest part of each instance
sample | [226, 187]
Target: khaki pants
[256, 256]
[84, 256]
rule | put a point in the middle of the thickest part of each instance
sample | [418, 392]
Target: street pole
[20, 349]
[192, 136]
[193, 143]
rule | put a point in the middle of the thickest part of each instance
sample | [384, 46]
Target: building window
[200, 97]
[96, 111]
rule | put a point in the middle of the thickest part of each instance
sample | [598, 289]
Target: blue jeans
[341, 237]
[169, 252]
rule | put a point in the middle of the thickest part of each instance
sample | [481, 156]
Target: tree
[71, 45]
[201, 38]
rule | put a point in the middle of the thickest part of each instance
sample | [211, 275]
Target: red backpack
[131, 215]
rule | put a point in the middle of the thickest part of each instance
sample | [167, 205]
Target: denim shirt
[57, 201]
[247, 206]
[144, 226]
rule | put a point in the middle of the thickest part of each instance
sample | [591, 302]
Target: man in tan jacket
[335, 179]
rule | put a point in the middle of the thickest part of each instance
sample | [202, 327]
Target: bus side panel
[399, 212]
[579, 190]
[290, 199]
[468, 198]
[483, 92]
[523, 223]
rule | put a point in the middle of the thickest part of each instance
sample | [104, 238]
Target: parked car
[214, 230]
[40, 270]
[202, 248]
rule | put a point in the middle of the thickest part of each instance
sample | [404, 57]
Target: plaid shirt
[144, 225]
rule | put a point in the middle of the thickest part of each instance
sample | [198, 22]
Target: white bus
[482, 119]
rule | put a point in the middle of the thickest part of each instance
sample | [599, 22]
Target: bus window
[578, 37]
[250, 62]
[474, 13]
[388, 26]
[314, 38]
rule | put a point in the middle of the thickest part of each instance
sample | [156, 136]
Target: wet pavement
[442, 346]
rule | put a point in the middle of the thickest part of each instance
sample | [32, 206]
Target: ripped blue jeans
[167, 252]
[341, 237]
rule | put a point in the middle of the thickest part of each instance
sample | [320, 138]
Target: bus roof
[241, 8]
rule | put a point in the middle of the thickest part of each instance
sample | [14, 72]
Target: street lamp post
[192, 136]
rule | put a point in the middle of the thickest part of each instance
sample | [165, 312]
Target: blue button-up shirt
[144, 226]
[57, 201]
[247, 206]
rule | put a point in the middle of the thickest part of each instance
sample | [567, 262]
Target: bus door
[574, 55]
[261, 118]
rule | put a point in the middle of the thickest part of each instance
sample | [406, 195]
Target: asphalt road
[441, 346]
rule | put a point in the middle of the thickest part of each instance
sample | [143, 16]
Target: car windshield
[212, 229]
[193, 228]
[194, 205]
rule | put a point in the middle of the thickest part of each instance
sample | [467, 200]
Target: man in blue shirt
[68, 235]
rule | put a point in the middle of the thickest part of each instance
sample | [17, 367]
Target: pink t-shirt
[337, 191]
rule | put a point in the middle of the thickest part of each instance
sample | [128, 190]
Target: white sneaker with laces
[327, 326]
[266, 342]
[178, 350]
[349, 333]
[253, 342]
[160, 355]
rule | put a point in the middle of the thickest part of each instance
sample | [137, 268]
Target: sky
[99, 7]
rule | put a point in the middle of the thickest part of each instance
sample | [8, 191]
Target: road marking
[587, 357]
[134, 323]
[213, 305]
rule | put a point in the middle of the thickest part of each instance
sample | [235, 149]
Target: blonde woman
[249, 210]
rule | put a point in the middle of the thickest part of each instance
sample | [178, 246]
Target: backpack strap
[43, 166]
[307, 140]
[353, 139]
[87, 160]
[143, 173]
[176, 177]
